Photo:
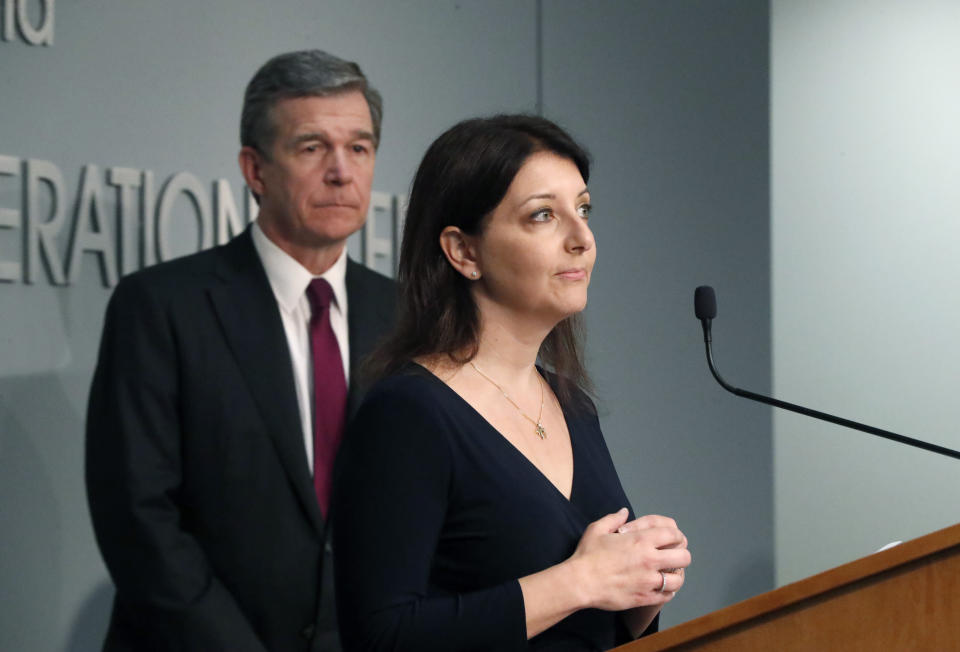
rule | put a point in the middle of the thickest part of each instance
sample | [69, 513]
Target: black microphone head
[705, 302]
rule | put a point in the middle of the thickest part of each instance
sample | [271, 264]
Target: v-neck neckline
[509, 444]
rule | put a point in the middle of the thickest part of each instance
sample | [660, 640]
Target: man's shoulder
[374, 294]
[184, 274]
[189, 265]
[361, 276]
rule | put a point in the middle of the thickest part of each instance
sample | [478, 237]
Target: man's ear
[460, 250]
[251, 166]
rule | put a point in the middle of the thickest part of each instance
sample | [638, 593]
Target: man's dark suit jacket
[199, 488]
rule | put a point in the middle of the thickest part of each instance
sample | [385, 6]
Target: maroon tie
[329, 390]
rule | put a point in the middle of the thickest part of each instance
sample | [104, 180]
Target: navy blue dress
[436, 516]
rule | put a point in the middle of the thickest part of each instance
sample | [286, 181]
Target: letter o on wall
[188, 184]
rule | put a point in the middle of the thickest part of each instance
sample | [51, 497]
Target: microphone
[705, 307]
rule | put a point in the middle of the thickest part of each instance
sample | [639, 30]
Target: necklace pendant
[540, 431]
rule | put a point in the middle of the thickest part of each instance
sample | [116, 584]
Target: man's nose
[338, 170]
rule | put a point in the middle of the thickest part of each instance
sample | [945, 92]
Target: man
[224, 380]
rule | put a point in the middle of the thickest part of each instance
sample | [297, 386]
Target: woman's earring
[474, 274]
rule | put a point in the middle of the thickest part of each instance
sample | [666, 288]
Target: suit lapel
[250, 319]
[365, 323]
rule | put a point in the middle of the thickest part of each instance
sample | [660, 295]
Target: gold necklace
[538, 426]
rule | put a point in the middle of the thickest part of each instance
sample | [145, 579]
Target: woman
[476, 506]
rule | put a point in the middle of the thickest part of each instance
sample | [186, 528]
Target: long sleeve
[134, 482]
[391, 500]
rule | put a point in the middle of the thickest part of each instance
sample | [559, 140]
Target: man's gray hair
[305, 73]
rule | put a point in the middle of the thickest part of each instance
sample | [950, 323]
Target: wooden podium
[904, 598]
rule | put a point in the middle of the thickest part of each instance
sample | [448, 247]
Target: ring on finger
[663, 582]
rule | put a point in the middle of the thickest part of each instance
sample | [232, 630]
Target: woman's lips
[572, 274]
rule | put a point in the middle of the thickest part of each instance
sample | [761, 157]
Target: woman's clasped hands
[622, 565]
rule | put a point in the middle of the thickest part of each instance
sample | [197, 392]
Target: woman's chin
[569, 309]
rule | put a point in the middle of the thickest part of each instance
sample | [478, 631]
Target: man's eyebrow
[358, 134]
[313, 135]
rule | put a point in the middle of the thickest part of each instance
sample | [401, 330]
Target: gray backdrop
[672, 99]
[865, 143]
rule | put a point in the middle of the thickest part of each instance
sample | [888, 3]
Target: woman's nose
[580, 237]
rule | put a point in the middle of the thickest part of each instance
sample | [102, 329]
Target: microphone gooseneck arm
[705, 320]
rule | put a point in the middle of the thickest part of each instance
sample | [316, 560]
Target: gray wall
[670, 97]
[865, 142]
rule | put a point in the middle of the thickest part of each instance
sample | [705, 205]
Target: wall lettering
[16, 19]
[42, 232]
[127, 181]
[9, 219]
[121, 223]
[186, 184]
[91, 232]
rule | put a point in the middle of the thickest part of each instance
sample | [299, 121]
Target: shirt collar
[289, 279]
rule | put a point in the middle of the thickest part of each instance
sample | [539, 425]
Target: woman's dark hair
[463, 176]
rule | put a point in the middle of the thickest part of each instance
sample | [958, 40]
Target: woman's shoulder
[400, 410]
[409, 383]
[410, 395]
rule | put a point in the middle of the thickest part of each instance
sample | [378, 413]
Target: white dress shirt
[289, 280]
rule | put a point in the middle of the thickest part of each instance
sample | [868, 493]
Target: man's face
[314, 185]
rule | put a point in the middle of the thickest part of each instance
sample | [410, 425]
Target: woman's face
[536, 250]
